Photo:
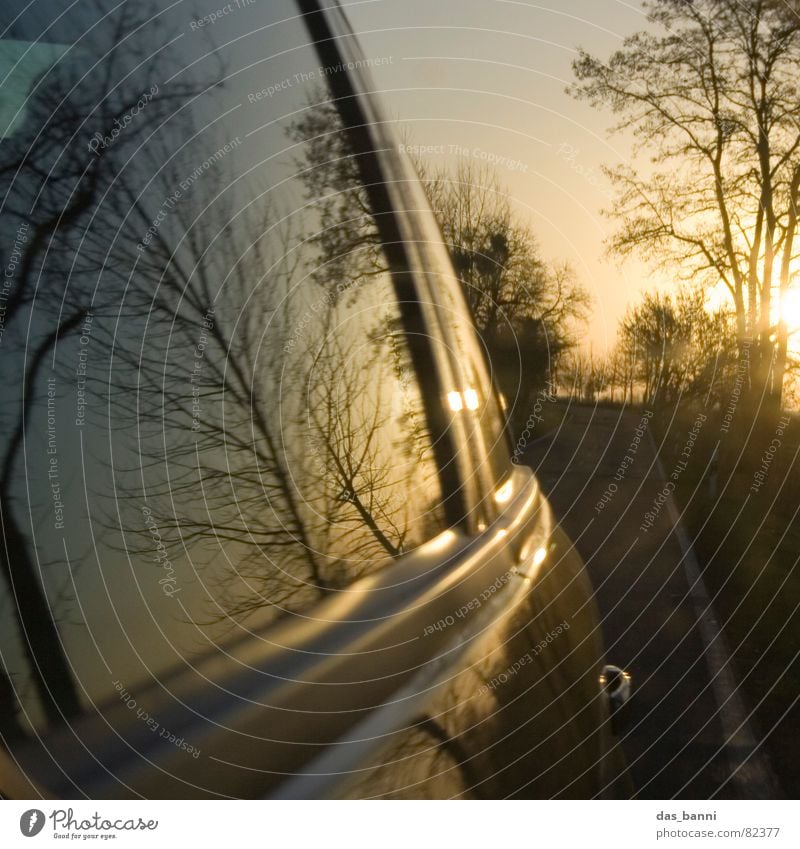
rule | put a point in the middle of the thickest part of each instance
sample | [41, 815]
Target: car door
[263, 536]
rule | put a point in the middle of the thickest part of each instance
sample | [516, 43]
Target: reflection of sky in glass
[21, 63]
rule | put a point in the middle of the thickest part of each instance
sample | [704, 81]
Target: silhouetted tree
[526, 310]
[584, 375]
[49, 187]
[714, 99]
[294, 424]
[677, 348]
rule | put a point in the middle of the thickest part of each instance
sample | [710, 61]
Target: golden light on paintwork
[536, 560]
[539, 557]
[504, 493]
[439, 543]
[471, 399]
[455, 401]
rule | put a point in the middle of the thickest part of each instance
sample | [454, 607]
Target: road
[600, 472]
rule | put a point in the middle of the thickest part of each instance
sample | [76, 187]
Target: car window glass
[210, 415]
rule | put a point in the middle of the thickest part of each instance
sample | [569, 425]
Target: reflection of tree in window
[226, 468]
[50, 189]
[250, 385]
[347, 240]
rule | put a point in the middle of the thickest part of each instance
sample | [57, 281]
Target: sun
[790, 309]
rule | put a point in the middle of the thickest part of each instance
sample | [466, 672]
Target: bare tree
[293, 421]
[585, 375]
[507, 282]
[714, 98]
[49, 188]
[527, 311]
[674, 348]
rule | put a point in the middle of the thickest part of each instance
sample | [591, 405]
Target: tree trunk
[38, 633]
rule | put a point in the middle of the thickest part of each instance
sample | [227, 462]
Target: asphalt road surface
[688, 734]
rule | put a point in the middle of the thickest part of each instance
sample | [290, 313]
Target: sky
[485, 80]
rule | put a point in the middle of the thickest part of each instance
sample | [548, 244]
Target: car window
[211, 418]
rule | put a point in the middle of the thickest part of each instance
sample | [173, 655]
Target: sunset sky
[485, 80]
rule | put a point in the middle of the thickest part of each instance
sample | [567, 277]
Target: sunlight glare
[790, 309]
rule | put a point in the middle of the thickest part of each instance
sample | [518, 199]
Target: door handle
[616, 684]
